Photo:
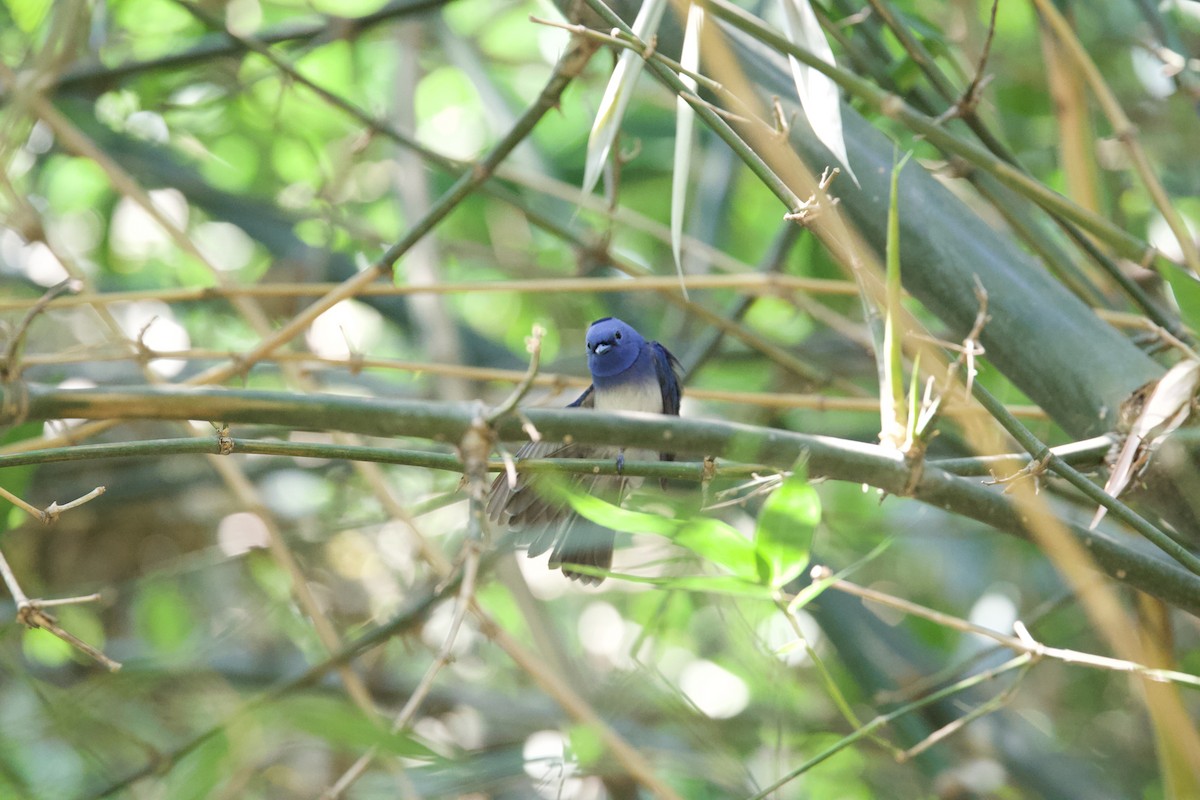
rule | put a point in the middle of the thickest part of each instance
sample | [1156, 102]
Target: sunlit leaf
[786, 525]
[621, 519]
[617, 95]
[27, 14]
[711, 539]
[818, 93]
[721, 544]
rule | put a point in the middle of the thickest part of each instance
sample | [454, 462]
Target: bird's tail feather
[585, 544]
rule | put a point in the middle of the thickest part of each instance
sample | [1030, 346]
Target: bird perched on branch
[628, 374]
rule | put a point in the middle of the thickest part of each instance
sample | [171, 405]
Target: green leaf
[708, 538]
[201, 771]
[621, 519]
[786, 525]
[27, 14]
[164, 616]
[586, 745]
[340, 723]
[891, 394]
[1186, 290]
[721, 544]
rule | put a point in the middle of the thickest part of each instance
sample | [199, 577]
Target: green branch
[1129, 561]
[670, 470]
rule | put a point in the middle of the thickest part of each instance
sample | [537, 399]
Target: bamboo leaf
[685, 120]
[818, 94]
[617, 95]
[891, 394]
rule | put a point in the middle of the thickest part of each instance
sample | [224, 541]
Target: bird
[629, 373]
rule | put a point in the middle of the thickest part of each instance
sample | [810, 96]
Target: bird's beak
[602, 348]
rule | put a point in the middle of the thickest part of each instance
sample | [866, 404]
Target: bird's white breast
[630, 397]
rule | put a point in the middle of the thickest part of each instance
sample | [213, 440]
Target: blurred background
[201, 174]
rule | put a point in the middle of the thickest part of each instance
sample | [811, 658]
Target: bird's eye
[618, 334]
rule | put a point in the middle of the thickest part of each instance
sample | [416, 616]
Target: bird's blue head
[612, 347]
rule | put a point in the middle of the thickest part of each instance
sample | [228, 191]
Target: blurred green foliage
[689, 659]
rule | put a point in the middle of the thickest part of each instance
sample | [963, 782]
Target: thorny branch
[968, 351]
[810, 209]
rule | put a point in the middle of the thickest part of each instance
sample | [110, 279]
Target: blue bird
[628, 374]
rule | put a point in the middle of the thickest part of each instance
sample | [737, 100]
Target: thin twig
[8, 366]
[884, 719]
[533, 345]
[30, 613]
[954, 726]
[757, 283]
[1021, 642]
[53, 511]
[966, 104]
[29, 509]
[557, 383]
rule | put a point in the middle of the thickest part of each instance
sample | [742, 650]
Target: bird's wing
[669, 381]
[585, 400]
[668, 369]
[536, 503]
[534, 499]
